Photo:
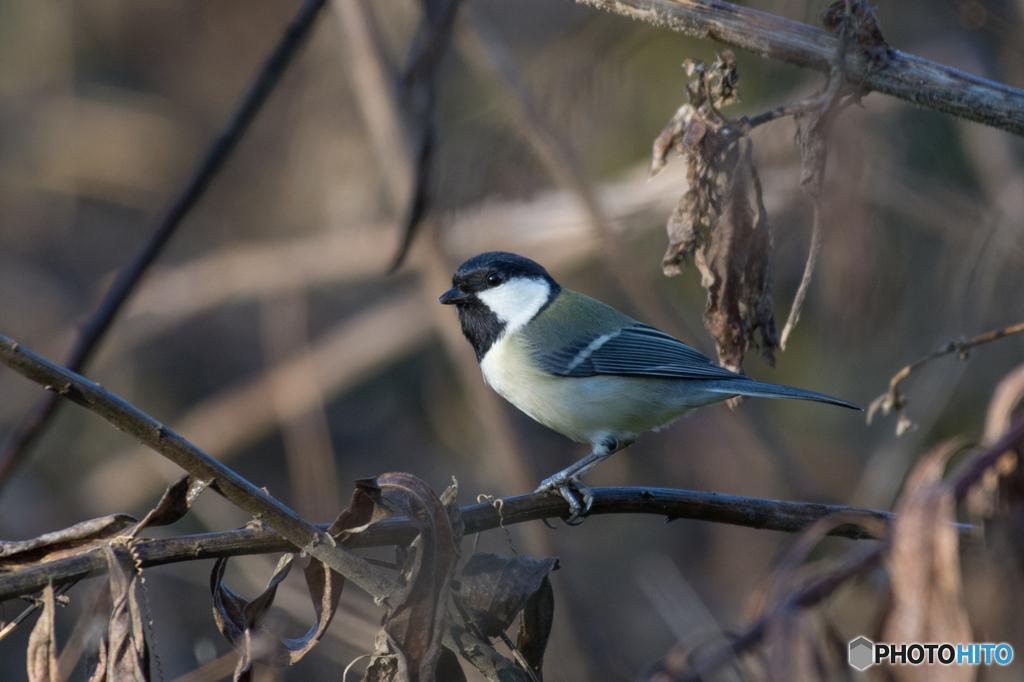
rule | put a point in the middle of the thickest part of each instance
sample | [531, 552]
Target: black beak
[452, 296]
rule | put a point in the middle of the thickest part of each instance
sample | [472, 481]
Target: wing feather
[633, 351]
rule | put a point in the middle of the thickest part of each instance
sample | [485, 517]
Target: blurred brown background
[269, 335]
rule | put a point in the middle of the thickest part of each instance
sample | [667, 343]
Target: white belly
[588, 409]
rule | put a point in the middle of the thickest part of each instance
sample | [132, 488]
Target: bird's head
[497, 293]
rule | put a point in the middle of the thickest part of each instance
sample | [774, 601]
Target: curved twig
[805, 281]
[894, 401]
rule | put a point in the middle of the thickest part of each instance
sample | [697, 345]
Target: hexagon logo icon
[862, 653]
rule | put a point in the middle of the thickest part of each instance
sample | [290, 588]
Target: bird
[581, 367]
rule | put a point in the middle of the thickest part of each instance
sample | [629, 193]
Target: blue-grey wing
[632, 351]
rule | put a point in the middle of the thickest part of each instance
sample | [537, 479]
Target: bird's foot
[569, 487]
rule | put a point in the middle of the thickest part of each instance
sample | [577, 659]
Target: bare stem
[893, 400]
[959, 347]
[805, 281]
[92, 332]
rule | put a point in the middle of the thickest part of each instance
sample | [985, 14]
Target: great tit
[581, 367]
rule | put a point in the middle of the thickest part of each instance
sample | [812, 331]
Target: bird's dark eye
[495, 278]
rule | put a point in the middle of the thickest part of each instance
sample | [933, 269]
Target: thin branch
[236, 489]
[92, 332]
[420, 84]
[825, 585]
[8, 628]
[909, 78]
[805, 281]
[373, 78]
[894, 401]
[748, 512]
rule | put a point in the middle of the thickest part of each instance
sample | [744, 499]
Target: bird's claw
[568, 487]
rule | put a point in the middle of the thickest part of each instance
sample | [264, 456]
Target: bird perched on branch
[583, 368]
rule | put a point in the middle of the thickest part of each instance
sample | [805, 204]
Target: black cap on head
[472, 275]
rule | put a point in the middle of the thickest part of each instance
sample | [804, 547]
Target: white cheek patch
[516, 302]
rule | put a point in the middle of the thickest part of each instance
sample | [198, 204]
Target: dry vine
[894, 401]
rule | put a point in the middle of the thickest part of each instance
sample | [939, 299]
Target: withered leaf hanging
[120, 654]
[928, 603]
[535, 626]
[242, 621]
[724, 200]
[42, 643]
[493, 589]
[409, 644]
[81, 536]
[174, 504]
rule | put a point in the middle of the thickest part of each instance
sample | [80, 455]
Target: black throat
[480, 325]
[483, 327]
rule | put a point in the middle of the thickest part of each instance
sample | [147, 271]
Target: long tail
[762, 390]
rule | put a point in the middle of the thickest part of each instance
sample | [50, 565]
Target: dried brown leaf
[42, 643]
[694, 132]
[535, 626]
[126, 651]
[493, 589]
[242, 621]
[924, 568]
[725, 198]
[724, 80]
[449, 669]
[814, 117]
[684, 233]
[363, 511]
[85, 534]
[324, 587]
[999, 496]
[669, 139]
[737, 266]
[414, 625]
[801, 644]
[174, 504]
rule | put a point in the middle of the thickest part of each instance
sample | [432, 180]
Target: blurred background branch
[17, 445]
